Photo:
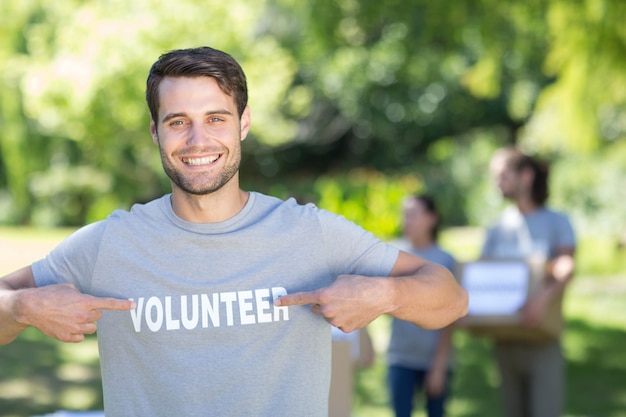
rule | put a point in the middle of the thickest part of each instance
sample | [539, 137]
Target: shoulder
[402, 244]
[263, 203]
[444, 253]
[554, 217]
[509, 217]
[291, 207]
[86, 236]
[445, 257]
[151, 209]
[549, 212]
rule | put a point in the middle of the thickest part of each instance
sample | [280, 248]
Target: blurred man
[532, 372]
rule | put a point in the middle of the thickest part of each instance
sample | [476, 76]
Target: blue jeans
[405, 382]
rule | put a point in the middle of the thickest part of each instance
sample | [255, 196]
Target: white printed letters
[209, 310]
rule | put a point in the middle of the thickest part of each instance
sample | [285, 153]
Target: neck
[526, 205]
[421, 242]
[216, 207]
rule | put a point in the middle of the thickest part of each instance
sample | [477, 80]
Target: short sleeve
[351, 249]
[73, 260]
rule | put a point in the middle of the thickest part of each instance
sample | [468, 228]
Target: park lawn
[594, 345]
[39, 375]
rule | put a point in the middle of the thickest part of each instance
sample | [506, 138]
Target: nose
[198, 135]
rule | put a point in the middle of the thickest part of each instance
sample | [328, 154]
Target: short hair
[197, 62]
[517, 160]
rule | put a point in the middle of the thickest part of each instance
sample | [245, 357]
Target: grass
[593, 343]
[39, 375]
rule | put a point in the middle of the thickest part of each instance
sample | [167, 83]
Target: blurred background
[354, 105]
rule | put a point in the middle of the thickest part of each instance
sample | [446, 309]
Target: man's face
[199, 134]
[508, 180]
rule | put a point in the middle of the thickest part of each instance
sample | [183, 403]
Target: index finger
[297, 299]
[109, 303]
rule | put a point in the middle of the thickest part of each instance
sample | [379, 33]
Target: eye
[215, 119]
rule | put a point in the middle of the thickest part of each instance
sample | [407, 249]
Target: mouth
[205, 160]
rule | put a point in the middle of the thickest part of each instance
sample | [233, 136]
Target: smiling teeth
[199, 161]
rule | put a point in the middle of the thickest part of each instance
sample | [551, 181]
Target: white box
[497, 290]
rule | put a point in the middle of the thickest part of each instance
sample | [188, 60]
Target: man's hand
[534, 311]
[560, 271]
[349, 303]
[62, 312]
[417, 291]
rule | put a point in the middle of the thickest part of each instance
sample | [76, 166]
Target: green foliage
[587, 55]
[72, 105]
[365, 196]
[591, 188]
[368, 198]
[420, 87]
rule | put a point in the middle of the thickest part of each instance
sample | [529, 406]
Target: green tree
[75, 143]
[402, 87]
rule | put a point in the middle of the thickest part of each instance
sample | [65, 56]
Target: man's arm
[21, 279]
[560, 271]
[418, 291]
[59, 311]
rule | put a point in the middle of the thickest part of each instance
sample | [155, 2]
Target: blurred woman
[419, 360]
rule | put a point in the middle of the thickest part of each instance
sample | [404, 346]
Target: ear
[244, 123]
[153, 132]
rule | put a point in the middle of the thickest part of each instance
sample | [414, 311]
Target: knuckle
[65, 338]
[324, 296]
[82, 316]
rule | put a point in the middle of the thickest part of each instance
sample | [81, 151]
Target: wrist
[389, 290]
[17, 308]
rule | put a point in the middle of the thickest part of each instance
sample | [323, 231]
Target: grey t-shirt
[540, 233]
[411, 346]
[205, 338]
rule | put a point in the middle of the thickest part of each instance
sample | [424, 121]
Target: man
[200, 295]
[532, 373]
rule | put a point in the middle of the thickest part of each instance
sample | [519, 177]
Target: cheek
[415, 224]
[501, 181]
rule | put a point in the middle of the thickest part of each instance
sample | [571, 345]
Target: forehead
[181, 93]
[413, 205]
[499, 163]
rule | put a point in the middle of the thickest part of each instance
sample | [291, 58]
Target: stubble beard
[201, 184]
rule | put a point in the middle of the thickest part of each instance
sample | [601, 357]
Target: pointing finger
[107, 303]
[297, 299]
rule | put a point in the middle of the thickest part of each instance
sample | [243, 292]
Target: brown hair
[197, 62]
[518, 161]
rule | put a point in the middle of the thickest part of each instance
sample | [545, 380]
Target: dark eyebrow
[175, 115]
[172, 116]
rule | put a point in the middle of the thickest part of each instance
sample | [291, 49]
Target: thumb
[297, 299]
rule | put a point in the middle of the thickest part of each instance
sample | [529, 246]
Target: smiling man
[212, 300]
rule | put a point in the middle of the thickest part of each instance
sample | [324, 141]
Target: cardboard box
[342, 380]
[349, 352]
[497, 290]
